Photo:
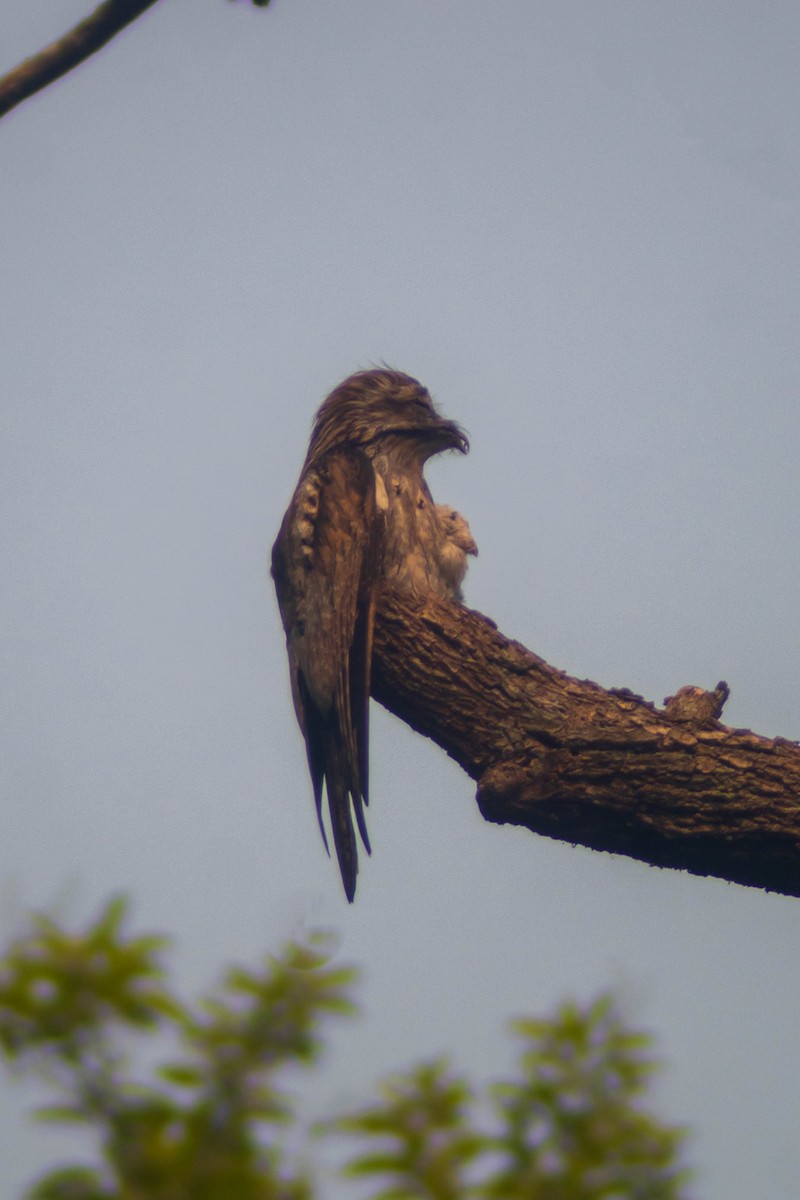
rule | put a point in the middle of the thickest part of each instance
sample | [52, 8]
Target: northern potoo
[361, 513]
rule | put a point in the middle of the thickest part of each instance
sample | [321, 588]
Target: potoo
[361, 514]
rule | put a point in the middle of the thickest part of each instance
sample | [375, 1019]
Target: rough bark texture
[68, 51]
[606, 769]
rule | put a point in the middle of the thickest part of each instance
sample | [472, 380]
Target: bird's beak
[449, 436]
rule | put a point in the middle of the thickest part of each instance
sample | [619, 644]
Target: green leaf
[68, 1113]
[184, 1075]
[70, 1183]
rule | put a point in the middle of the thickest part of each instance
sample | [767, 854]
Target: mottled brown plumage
[361, 513]
[695, 704]
[458, 543]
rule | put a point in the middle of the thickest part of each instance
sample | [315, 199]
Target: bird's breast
[415, 541]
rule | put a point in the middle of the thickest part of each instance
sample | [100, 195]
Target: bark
[68, 51]
[606, 769]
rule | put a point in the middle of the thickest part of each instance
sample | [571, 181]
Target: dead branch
[68, 51]
[605, 769]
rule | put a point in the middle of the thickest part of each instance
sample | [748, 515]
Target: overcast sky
[577, 224]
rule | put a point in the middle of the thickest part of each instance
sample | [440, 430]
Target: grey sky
[577, 223]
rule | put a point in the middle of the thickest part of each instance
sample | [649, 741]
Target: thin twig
[68, 51]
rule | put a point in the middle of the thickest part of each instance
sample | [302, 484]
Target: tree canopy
[212, 1120]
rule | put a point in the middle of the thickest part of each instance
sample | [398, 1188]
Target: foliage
[570, 1126]
[199, 1130]
[210, 1123]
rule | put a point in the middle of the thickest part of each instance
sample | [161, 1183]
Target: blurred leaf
[70, 1183]
[65, 1113]
[183, 1075]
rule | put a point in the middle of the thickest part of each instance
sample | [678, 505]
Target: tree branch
[569, 760]
[68, 51]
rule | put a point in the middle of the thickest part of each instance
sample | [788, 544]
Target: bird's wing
[326, 565]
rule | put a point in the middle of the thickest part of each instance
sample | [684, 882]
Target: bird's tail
[344, 797]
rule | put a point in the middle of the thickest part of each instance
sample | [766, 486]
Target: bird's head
[370, 407]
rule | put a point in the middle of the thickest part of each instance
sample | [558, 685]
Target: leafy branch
[212, 1121]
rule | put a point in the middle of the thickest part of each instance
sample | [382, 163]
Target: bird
[361, 515]
[458, 543]
[693, 703]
